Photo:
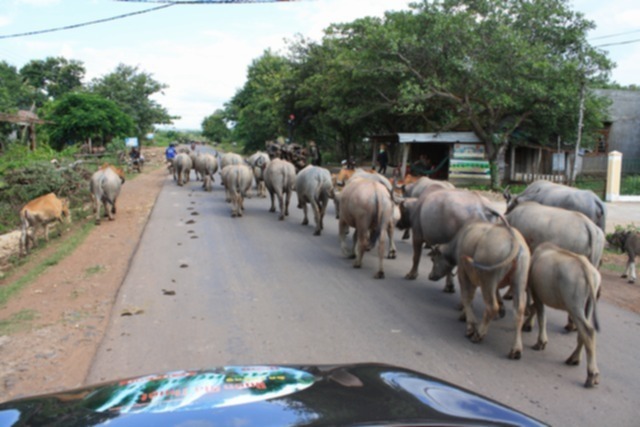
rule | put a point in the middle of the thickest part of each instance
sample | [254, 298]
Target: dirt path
[72, 301]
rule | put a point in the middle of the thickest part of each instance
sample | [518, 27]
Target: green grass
[66, 248]
[613, 267]
[19, 321]
[94, 270]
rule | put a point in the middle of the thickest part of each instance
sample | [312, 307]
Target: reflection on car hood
[360, 394]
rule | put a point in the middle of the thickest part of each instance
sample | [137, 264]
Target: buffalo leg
[417, 253]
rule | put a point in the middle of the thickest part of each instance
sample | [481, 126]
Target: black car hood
[360, 394]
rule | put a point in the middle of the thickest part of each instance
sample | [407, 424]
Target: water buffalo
[43, 211]
[489, 257]
[206, 165]
[182, 165]
[561, 196]
[230, 159]
[341, 179]
[258, 162]
[627, 241]
[421, 185]
[313, 186]
[567, 281]
[416, 188]
[569, 230]
[366, 205]
[237, 180]
[105, 187]
[435, 217]
[279, 178]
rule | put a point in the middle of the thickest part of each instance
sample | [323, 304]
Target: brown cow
[43, 211]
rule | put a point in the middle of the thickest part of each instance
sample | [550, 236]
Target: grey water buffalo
[420, 186]
[182, 166]
[230, 159]
[627, 241]
[569, 230]
[372, 175]
[314, 187]
[41, 211]
[561, 196]
[258, 162]
[366, 205]
[237, 180]
[280, 178]
[415, 189]
[567, 281]
[206, 165]
[341, 179]
[105, 187]
[489, 257]
[435, 218]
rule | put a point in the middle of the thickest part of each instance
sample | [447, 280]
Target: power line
[203, 1]
[608, 36]
[84, 24]
[618, 43]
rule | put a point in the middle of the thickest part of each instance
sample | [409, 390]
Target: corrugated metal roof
[442, 137]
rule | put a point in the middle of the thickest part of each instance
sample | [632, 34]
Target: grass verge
[66, 247]
[17, 322]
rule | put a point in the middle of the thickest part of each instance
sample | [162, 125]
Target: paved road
[258, 290]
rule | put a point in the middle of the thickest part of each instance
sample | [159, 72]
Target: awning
[442, 137]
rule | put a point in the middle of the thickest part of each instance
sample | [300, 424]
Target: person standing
[383, 160]
[314, 154]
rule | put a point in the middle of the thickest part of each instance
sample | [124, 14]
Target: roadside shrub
[25, 183]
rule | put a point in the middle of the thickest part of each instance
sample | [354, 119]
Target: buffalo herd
[543, 250]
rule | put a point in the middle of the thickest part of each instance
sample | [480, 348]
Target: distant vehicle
[331, 395]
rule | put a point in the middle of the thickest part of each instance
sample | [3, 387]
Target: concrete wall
[624, 114]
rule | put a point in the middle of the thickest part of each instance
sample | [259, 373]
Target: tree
[131, 90]
[52, 77]
[215, 127]
[495, 66]
[259, 109]
[77, 117]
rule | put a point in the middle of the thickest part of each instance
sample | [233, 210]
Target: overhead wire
[84, 24]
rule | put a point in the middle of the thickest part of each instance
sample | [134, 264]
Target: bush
[23, 184]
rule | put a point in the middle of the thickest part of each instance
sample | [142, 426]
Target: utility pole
[574, 170]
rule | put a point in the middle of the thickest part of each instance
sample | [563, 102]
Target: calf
[567, 281]
[489, 257]
[629, 242]
[43, 211]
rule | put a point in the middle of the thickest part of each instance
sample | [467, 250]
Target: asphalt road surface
[205, 290]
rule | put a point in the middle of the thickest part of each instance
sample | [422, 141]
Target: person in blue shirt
[170, 152]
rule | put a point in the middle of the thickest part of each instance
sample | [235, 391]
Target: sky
[202, 52]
